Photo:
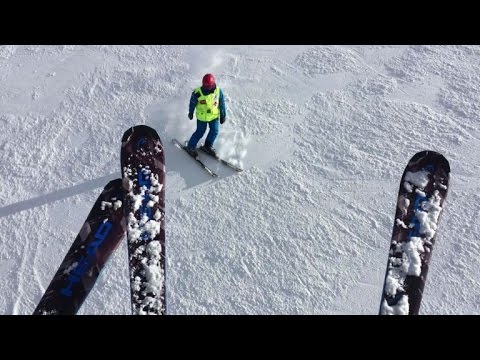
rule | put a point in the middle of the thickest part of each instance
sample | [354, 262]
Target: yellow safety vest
[207, 106]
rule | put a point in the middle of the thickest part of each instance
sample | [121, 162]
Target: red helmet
[208, 81]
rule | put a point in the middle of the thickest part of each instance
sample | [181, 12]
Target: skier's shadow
[58, 195]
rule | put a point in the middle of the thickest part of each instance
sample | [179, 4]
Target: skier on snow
[209, 104]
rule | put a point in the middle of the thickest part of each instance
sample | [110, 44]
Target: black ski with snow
[421, 196]
[200, 162]
[225, 162]
[98, 238]
[143, 172]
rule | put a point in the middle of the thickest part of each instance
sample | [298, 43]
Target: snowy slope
[323, 133]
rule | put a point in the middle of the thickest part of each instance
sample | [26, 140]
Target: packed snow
[323, 134]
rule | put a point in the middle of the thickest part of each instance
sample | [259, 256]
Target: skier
[209, 103]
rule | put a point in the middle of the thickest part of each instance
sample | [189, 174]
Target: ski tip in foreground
[422, 192]
[139, 130]
[97, 239]
[432, 157]
[115, 184]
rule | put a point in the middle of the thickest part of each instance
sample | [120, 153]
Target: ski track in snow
[323, 134]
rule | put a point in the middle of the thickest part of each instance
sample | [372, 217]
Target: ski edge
[223, 161]
[200, 162]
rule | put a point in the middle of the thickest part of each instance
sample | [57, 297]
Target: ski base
[98, 238]
[421, 196]
[143, 174]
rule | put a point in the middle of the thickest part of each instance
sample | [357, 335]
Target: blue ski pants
[214, 126]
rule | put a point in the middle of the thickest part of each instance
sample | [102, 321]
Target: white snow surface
[323, 133]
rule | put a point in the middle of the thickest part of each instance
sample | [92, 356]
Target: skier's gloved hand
[222, 120]
[190, 116]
